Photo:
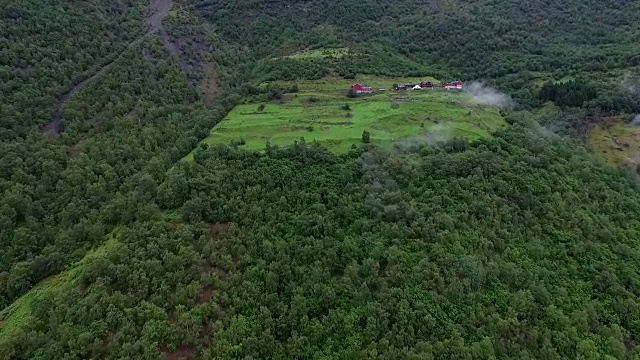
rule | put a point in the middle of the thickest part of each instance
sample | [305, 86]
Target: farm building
[405, 87]
[456, 85]
[359, 89]
[426, 85]
[423, 85]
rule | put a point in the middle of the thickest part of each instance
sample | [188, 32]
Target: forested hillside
[113, 244]
[513, 41]
[518, 247]
[132, 122]
[47, 46]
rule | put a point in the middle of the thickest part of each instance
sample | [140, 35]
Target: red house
[359, 89]
[456, 85]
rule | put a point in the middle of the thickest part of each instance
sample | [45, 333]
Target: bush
[366, 137]
[275, 94]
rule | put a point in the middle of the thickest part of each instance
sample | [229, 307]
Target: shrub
[366, 137]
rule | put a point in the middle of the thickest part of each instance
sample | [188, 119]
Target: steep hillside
[499, 239]
[48, 46]
[137, 109]
[471, 38]
[517, 247]
[515, 44]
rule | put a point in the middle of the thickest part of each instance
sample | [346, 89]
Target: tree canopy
[521, 245]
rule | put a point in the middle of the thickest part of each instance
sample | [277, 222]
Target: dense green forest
[132, 123]
[519, 246]
[510, 41]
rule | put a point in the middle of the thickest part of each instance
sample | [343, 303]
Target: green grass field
[320, 53]
[617, 143]
[316, 113]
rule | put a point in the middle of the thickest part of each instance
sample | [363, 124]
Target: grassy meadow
[322, 112]
[320, 53]
[617, 143]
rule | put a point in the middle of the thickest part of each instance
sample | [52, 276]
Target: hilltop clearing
[321, 111]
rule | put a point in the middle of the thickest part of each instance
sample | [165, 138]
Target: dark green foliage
[366, 137]
[522, 246]
[275, 94]
[468, 39]
[625, 98]
[352, 94]
[573, 93]
[122, 132]
[47, 46]
[517, 247]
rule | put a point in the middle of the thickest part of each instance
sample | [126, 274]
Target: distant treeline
[508, 42]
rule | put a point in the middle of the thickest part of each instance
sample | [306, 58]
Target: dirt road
[158, 10]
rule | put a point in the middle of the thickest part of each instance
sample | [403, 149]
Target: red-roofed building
[456, 85]
[426, 85]
[359, 89]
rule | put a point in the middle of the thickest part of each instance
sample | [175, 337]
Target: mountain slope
[516, 247]
[521, 245]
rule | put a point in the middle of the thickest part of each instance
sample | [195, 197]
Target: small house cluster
[425, 85]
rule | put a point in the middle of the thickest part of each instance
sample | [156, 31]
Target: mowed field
[322, 112]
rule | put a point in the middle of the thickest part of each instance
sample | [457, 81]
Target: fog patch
[374, 172]
[631, 85]
[484, 94]
[437, 135]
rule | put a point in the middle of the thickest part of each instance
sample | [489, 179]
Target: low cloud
[487, 95]
[437, 135]
[375, 173]
[631, 84]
